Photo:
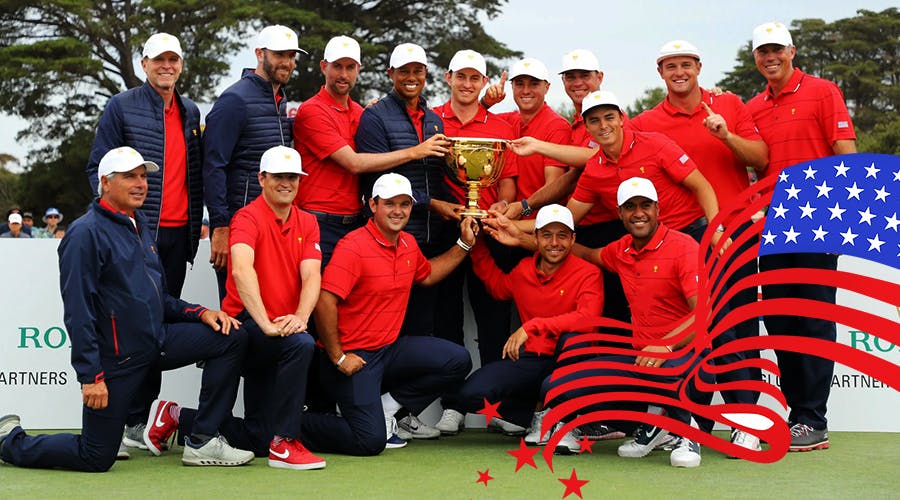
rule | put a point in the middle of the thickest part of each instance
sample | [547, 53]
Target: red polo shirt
[548, 126]
[649, 155]
[174, 207]
[278, 247]
[373, 279]
[484, 125]
[657, 279]
[802, 122]
[321, 127]
[569, 300]
[722, 168]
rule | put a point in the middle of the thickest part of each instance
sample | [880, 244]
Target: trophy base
[475, 213]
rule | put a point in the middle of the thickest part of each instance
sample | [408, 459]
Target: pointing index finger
[709, 110]
[503, 78]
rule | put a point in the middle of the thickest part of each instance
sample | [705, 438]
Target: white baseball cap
[599, 98]
[123, 159]
[771, 32]
[531, 67]
[390, 185]
[161, 43]
[636, 186]
[14, 219]
[278, 38]
[554, 213]
[468, 59]
[406, 53]
[281, 160]
[340, 47]
[677, 48]
[580, 59]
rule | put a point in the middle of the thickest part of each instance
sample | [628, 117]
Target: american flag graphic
[844, 204]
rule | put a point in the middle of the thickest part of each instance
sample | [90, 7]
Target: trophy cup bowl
[475, 163]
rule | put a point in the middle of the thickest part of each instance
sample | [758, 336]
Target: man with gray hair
[162, 125]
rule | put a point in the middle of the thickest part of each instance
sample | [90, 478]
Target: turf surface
[858, 465]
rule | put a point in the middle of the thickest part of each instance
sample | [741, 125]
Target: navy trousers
[275, 373]
[516, 384]
[414, 370]
[94, 450]
[805, 379]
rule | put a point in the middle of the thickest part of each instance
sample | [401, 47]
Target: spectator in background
[5, 226]
[52, 218]
[28, 220]
[14, 221]
[59, 233]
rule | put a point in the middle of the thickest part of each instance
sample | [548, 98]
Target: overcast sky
[624, 35]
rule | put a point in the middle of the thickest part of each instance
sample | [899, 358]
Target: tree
[860, 54]
[650, 99]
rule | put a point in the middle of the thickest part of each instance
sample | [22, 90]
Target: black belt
[697, 224]
[340, 219]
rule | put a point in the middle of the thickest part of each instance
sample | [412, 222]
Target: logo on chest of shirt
[655, 268]
[793, 111]
[300, 239]
[643, 170]
[408, 263]
[562, 292]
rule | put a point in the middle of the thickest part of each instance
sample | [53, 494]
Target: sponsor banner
[38, 383]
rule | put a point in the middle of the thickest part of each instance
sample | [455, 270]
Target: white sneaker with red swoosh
[289, 453]
[160, 426]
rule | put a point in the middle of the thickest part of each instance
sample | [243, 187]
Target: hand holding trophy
[475, 163]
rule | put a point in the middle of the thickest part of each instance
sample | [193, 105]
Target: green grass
[858, 465]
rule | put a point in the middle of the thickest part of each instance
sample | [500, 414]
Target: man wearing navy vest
[162, 125]
[249, 118]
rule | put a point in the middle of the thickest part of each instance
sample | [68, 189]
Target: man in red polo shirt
[371, 370]
[530, 82]
[272, 286]
[463, 116]
[556, 294]
[801, 118]
[624, 153]
[659, 270]
[719, 134]
[323, 134]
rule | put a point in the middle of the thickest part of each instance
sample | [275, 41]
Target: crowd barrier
[38, 383]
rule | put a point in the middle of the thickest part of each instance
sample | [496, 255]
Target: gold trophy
[475, 163]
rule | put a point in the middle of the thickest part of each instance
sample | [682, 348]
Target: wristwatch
[526, 210]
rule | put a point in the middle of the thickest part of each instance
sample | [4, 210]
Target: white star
[872, 172]
[866, 216]
[841, 170]
[848, 237]
[769, 238]
[790, 235]
[820, 234]
[897, 175]
[810, 173]
[783, 176]
[875, 244]
[807, 211]
[823, 190]
[780, 211]
[853, 191]
[792, 192]
[892, 222]
[836, 212]
[881, 194]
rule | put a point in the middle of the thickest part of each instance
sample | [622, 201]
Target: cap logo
[165, 38]
[527, 64]
[409, 50]
[768, 30]
[574, 57]
[556, 210]
[288, 35]
[677, 45]
[287, 156]
[471, 56]
[346, 44]
[634, 184]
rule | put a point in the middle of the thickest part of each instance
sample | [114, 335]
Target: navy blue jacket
[113, 292]
[136, 118]
[243, 123]
[386, 126]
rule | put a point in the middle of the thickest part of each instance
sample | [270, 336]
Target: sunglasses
[53, 217]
